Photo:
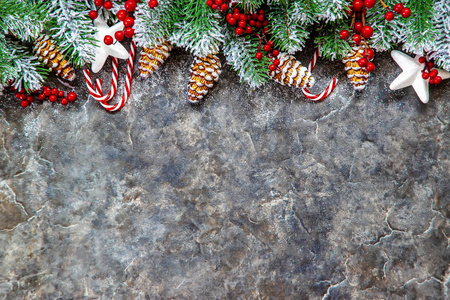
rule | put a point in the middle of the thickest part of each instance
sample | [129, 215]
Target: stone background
[256, 194]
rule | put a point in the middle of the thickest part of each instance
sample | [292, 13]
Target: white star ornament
[412, 75]
[103, 51]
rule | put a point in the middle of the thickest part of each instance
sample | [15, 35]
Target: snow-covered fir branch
[440, 50]
[73, 29]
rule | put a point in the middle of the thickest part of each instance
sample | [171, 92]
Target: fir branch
[288, 23]
[249, 5]
[441, 48]
[329, 10]
[332, 46]
[24, 19]
[73, 30]
[153, 26]
[240, 54]
[200, 29]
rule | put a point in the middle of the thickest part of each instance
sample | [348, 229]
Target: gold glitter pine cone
[152, 58]
[204, 72]
[358, 76]
[290, 72]
[47, 52]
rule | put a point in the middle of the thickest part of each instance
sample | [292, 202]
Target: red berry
[122, 14]
[54, 91]
[98, 2]
[259, 55]
[344, 34]
[370, 67]
[22, 91]
[31, 98]
[128, 22]
[128, 32]
[266, 30]
[261, 18]
[229, 15]
[214, 6]
[370, 53]
[267, 47]
[108, 5]
[369, 3]
[41, 97]
[236, 15]
[265, 23]
[249, 29]
[422, 59]
[93, 14]
[52, 98]
[23, 97]
[437, 79]
[218, 2]
[242, 24]
[430, 64]
[239, 31]
[236, 11]
[24, 103]
[358, 27]
[272, 67]
[357, 39]
[431, 81]
[425, 75]
[71, 96]
[398, 8]
[47, 92]
[406, 12]
[153, 3]
[224, 7]
[349, 12]
[17, 95]
[255, 16]
[242, 17]
[252, 22]
[130, 5]
[275, 52]
[362, 62]
[433, 73]
[271, 43]
[108, 40]
[258, 24]
[389, 16]
[119, 35]
[367, 32]
[232, 21]
[276, 62]
[64, 101]
[357, 5]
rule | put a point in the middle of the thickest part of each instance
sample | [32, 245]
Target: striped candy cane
[329, 88]
[97, 93]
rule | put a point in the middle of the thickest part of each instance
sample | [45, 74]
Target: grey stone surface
[256, 194]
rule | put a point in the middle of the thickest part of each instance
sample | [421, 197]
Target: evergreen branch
[441, 48]
[332, 46]
[240, 54]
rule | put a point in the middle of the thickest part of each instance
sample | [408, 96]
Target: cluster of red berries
[399, 9]
[366, 60]
[52, 94]
[357, 9]
[428, 72]
[247, 23]
[123, 16]
[220, 5]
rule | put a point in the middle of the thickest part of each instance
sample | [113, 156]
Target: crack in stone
[333, 286]
[392, 230]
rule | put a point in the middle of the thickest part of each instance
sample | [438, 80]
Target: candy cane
[329, 88]
[97, 93]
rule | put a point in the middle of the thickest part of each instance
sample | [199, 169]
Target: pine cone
[47, 52]
[358, 76]
[152, 58]
[291, 73]
[204, 72]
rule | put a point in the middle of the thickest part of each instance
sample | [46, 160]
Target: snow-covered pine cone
[152, 58]
[204, 72]
[290, 72]
[358, 76]
[47, 52]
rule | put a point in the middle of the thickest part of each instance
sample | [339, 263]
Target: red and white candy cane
[329, 88]
[97, 92]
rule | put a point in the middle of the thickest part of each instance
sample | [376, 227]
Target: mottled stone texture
[256, 194]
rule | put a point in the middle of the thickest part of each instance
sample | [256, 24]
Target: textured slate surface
[256, 194]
